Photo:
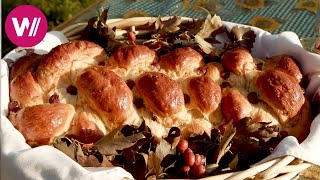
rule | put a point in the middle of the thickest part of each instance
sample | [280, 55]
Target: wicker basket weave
[282, 168]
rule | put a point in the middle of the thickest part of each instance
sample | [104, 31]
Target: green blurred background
[56, 11]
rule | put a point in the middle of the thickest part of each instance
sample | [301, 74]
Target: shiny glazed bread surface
[77, 90]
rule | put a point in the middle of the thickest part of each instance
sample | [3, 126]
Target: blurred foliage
[56, 11]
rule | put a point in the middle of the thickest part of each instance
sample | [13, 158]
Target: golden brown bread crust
[210, 70]
[205, 93]
[107, 93]
[104, 101]
[286, 64]
[234, 105]
[41, 123]
[299, 125]
[181, 60]
[236, 60]
[85, 130]
[129, 56]
[25, 63]
[57, 63]
[162, 95]
[25, 90]
[281, 91]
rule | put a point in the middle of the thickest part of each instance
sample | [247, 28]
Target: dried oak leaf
[138, 169]
[204, 45]
[61, 144]
[207, 47]
[111, 147]
[242, 36]
[106, 162]
[194, 26]
[79, 151]
[168, 160]
[158, 24]
[171, 25]
[110, 136]
[234, 163]
[155, 158]
[226, 140]
[88, 161]
[211, 23]
[97, 29]
[224, 147]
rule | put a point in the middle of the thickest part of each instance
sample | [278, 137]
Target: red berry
[198, 160]
[139, 103]
[131, 36]
[159, 45]
[14, 106]
[188, 157]
[259, 66]
[202, 70]
[225, 84]
[253, 98]
[54, 98]
[185, 169]
[102, 63]
[182, 145]
[186, 98]
[198, 171]
[72, 90]
[130, 83]
[224, 74]
[203, 160]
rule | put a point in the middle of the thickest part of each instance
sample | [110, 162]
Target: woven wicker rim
[282, 168]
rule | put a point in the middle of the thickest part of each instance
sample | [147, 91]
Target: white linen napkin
[267, 45]
[19, 161]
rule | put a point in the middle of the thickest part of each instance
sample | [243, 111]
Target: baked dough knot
[78, 91]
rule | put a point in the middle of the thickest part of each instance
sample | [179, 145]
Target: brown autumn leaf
[158, 24]
[155, 158]
[138, 169]
[168, 160]
[242, 36]
[111, 147]
[211, 23]
[226, 140]
[106, 162]
[204, 45]
[88, 161]
[68, 150]
[79, 151]
[152, 161]
[171, 25]
[194, 26]
[109, 137]
[102, 15]
[234, 163]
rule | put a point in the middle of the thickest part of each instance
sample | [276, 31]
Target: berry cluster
[194, 165]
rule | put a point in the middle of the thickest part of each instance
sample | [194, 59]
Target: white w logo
[25, 25]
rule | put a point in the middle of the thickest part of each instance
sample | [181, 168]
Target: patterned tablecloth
[275, 16]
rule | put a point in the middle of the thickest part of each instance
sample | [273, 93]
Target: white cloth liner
[19, 161]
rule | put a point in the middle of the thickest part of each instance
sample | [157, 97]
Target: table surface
[274, 16]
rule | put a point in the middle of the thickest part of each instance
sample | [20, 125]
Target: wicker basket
[282, 168]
